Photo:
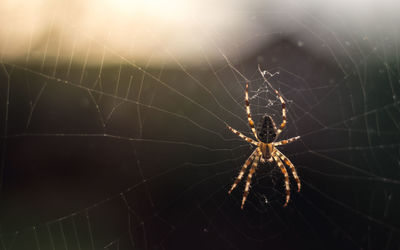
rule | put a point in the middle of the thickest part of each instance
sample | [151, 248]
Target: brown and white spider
[266, 136]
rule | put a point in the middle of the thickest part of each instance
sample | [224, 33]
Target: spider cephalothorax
[266, 135]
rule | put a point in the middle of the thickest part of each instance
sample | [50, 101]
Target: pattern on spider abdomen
[266, 129]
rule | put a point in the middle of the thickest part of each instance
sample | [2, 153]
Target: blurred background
[113, 122]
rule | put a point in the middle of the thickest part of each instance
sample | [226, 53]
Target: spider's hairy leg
[249, 176]
[251, 122]
[285, 173]
[249, 140]
[283, 142]
[291, 166]
[283, 113]
[241, 173]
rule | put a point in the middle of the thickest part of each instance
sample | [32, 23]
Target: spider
[266, 135]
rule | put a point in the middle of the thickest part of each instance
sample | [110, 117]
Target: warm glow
[156, 29]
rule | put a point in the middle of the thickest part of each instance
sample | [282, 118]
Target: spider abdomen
[266, 129]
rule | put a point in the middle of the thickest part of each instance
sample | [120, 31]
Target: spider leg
[249, 176]
[241, 173]
[251, 122]
[284, 172]
[283, 114]
[283, 142]
[242, 136]
[292, 168]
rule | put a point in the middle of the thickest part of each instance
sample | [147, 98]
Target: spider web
[137, 155]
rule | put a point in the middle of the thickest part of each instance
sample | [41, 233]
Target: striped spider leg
[266, 135]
